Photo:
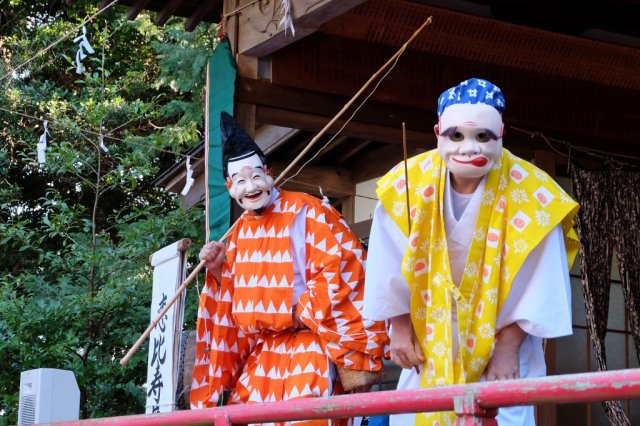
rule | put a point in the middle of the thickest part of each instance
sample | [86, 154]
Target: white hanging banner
[169, 271]
[84, 49]
[42, 144]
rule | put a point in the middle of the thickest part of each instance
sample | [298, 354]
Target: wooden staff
[406, 176]
[200, 265]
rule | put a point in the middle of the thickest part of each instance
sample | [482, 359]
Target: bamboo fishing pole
[200, 265]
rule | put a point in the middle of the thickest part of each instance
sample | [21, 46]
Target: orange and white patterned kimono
[299, 254]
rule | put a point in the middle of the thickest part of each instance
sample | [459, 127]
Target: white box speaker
[48, 395]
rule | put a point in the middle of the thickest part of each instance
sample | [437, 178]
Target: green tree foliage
[76, 232]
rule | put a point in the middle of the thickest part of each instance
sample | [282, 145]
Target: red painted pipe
[571, 388]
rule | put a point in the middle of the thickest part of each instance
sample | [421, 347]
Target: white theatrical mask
[470, 139]
[249, 183]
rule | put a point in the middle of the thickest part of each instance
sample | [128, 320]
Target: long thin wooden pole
[406, 176]
[199, 267]
[353, 99]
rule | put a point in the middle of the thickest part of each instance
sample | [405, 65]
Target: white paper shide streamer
[189, 183]
[42, 144]
[102, 145]
[84, 49]
[286, 21]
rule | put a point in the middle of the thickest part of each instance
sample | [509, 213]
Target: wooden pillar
[349, 208]
[244, 113]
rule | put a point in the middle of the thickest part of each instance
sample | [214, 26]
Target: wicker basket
[359, 379]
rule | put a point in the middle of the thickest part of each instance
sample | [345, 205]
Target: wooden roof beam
[353, 150]
[358, 129]
[205, 9]
[134, 10]
[167, 11]
[336, 182]
[262, 33]
[269, 138]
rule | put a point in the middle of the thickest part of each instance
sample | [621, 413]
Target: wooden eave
[583, 91]
[578, 82]
[194, 11]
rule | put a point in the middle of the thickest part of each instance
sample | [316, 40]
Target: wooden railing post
[470, 413]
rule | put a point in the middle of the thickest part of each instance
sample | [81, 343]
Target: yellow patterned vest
[520, 205]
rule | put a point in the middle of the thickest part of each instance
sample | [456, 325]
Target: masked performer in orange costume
[281, 310]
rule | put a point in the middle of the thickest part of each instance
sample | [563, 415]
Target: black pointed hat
[236, 143]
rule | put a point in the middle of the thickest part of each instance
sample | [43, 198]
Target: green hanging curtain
[221, 79]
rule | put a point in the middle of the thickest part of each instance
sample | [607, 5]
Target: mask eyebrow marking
[490, 133]
[449, 131]
[452, 130]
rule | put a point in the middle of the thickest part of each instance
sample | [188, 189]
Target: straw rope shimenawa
[200, 265]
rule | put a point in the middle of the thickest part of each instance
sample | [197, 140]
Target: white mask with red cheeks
[250, 183]
[470, 139]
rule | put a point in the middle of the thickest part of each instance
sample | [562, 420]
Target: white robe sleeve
[540, 297]
[386, 293]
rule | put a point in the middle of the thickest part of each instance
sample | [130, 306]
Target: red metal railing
[476, 404]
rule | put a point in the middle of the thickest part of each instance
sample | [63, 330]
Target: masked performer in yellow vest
[286, 314]
[485, 262]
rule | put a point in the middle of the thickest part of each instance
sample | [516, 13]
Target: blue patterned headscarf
[472, 91]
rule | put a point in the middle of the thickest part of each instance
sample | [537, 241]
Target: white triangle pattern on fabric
[284, 283]
[259, 371]
[306, 390]
[322, 245]
[294, 392]
[296, 371]
[210, 292]
[271, 309]
[271, 233]
[224, 321]
[263, 282]
[273, 374]
[372, 344]
[226, 297]
[244, 380]
[216, 373]
[358, 304]
[205, 337]
[203, 361]
[281, 349]
[255, 396]
[204, 313]
[333, 250]
[310, 238]
[315, 348]
[329, 276]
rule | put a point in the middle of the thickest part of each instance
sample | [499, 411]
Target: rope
[55, 43]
